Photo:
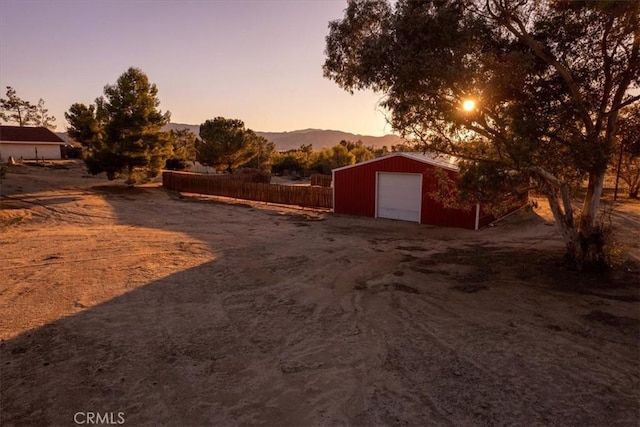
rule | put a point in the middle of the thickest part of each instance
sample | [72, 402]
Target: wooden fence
[317, 197]
[321, 180]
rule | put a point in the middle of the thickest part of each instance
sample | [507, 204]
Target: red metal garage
[398, 186]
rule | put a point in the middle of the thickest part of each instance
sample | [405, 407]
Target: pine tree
[122, 131]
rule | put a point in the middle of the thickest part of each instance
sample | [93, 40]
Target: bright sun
[469, 105]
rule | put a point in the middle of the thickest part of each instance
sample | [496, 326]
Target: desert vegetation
[305, 161]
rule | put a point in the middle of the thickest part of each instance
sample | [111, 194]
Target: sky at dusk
[258, 61]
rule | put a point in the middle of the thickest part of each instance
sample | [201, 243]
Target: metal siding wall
[355, 192]
[434, 213]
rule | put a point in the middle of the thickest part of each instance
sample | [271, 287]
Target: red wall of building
[355, 192]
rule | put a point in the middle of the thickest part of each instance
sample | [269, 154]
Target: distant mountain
[289, 140]
[317, 137]
[325, 138]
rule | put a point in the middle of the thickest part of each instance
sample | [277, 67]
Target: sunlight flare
[469, 105]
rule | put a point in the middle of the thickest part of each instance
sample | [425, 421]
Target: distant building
[29, 143]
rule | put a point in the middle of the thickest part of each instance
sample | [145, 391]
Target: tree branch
[608, 84]
[452, 152]
[623, 104]
[564, 214]
[508, 19]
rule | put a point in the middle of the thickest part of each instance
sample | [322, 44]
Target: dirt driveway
[163, 309]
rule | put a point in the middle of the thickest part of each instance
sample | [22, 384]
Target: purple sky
[258, 61]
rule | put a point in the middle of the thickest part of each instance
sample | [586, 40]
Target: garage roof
[28, 134]
[436, 159]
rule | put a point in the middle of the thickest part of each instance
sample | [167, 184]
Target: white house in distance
[29, 143]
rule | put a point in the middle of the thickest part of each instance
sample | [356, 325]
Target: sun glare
[469, 105]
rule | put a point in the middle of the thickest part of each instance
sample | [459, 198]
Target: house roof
[28, 134]
[431, 158]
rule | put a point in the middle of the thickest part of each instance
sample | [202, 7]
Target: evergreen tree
[122, 131]
[225, 143]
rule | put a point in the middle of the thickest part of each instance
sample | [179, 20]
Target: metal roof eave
[419, 157]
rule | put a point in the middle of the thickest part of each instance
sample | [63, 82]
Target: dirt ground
[169, 309]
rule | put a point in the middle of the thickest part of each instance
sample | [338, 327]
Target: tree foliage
[362, 154]
[16, 110]
[41, 116]
[331, 158]
[359, 151]
[183, 149]
[304, 161]
[548, 80]
[263, 153]
[227, 144]
[122, 130]
[628, 149]
[297, 161]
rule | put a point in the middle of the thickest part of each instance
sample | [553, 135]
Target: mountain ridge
[289, 140]
[319, 138]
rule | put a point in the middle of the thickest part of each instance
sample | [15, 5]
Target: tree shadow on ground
[170, 352]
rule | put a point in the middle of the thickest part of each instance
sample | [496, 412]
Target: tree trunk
[588, 217]
[563, 215]
[130, 181]
[587, 248]
[586, 241]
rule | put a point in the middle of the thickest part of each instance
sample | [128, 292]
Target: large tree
[544, 83]
[15, 110]
[122, 131]
[225, 143]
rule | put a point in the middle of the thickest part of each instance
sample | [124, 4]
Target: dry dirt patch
[188, 310]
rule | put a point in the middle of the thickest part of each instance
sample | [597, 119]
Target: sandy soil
[171, 309]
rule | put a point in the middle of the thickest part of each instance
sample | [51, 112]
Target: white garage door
[399, 196]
